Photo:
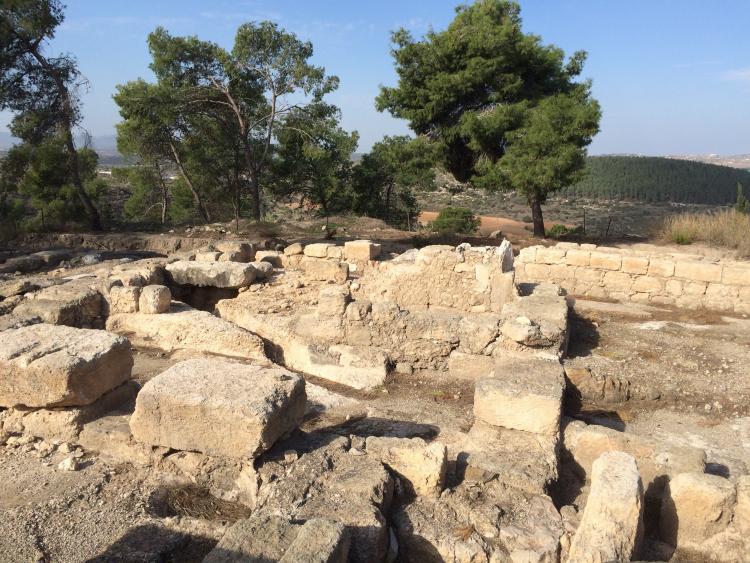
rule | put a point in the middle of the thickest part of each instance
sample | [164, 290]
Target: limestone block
[661, 268]
[742, 508]
[698, 271]
[207, 256]
[561, 272]
[537, 320]
[49, 365]
[110, 437]
[361, 250]
[635, 265]
[358, 310]
[332, 301]
[605, 260]
[335, 252]
[324, 270]
[618, 281]
[695, 506]
[527, 255]
[525, 394]
[718, 291]
[657, 460]
[611, 527]
[693, 288]
[317, 250]
[235, 251]
[185, 328]
[470, 367]
[674, 287]
[736, 275]
[293, 249]
[551, 255]
[212, 274]
[476, 332]
[536, 271]
[589, 275]
[262, 269]
[319, 541]
[273, 257]
[154, 299]
[124, 299]
[76, 303]
[577, 257]
[423, 465]
[219, 407]
[648, 284]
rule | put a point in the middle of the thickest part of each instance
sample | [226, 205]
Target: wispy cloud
[696, 64]
[738, 74]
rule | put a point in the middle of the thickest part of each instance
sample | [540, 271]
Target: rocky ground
[674, 377]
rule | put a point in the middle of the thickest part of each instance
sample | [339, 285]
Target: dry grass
[727, 228]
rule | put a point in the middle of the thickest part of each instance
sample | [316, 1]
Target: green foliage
[559, 231]
[455, 220]
[655, 179]
[742, 204]
[504, 110]
[385, 179]
[681, 237]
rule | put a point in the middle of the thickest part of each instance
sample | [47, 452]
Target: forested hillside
[656, 179]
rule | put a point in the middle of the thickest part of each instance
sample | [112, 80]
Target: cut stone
[611, 527]
[234, 251]
[293, 249]
[273, 257]
[324, 270]
[695, 506]
[423, 465]
[332, 301]
[154, 299]
[317, 250]
[319, 541]
[124, 299]
[48, 365]
[184, 328]
[110, 437]
[361, 250]
[525, 394]
[212, 274]
[470, 367]
[75, 304]
[219, 407]
[546, 314]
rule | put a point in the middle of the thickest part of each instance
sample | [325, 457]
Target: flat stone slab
[185, 328]
[219, 408]
[212, 274]
[525, 394]
[46, 365]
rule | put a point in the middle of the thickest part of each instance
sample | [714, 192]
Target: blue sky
[672, 76]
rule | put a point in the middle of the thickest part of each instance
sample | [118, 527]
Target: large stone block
[661, 268]
[75, 303]
[184, 328]
[635, 265]
[211, 274]
[235, 251]
[154, 299]
[124, 299]
[525, 394]
[470, 366]
[611, 528]
[219, 408]
[695, 506]
[423, 465]
[478, 331]
[736, 275]
[48, 365]
[605, 261]
[699, 271]
[317, 249]
[324, 270]
[361, 250]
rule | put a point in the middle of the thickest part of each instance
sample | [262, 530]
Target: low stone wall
[641, 275]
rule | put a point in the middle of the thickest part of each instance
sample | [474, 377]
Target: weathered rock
[218, 407]
[124, 299]
[319, 541]
[423, 465]
[317, 250]
[234, 251]
[293, 249]
[537, 320]
[208, 256]
[65, 423]
[657, 460]
[324, 270]
[332, 301]
[361, 250]
[75, 303]
[520, 459]
[742, 509]
[154, 299]
[525, 394]
[262, 269]
[110, 437]
[47, 365]
[695, 506]
[213, 274]
[478, 331]
[184, 328]
[611, 527]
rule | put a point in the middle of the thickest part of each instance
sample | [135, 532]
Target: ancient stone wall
[639, 274]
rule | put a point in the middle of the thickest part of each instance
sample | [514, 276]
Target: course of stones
[265, 404]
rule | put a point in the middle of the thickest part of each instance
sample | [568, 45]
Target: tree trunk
[254, 196]
[196, 196]
[536, 216]
[164, 195]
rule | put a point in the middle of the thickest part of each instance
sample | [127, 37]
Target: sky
[672, 76]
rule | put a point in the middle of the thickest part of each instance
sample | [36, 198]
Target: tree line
[654, 179]
[223, 133]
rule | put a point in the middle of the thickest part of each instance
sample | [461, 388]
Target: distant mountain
[741, 161]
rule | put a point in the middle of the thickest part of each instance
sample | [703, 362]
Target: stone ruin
[275, 355]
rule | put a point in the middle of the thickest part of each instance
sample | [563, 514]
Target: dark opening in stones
[203, 298]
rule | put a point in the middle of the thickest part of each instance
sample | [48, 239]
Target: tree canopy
[504, 110]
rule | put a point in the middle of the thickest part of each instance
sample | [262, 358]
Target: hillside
[656, 179]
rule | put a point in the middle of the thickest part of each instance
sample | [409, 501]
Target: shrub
[559, 231]
[728, 228]
[456, 220]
